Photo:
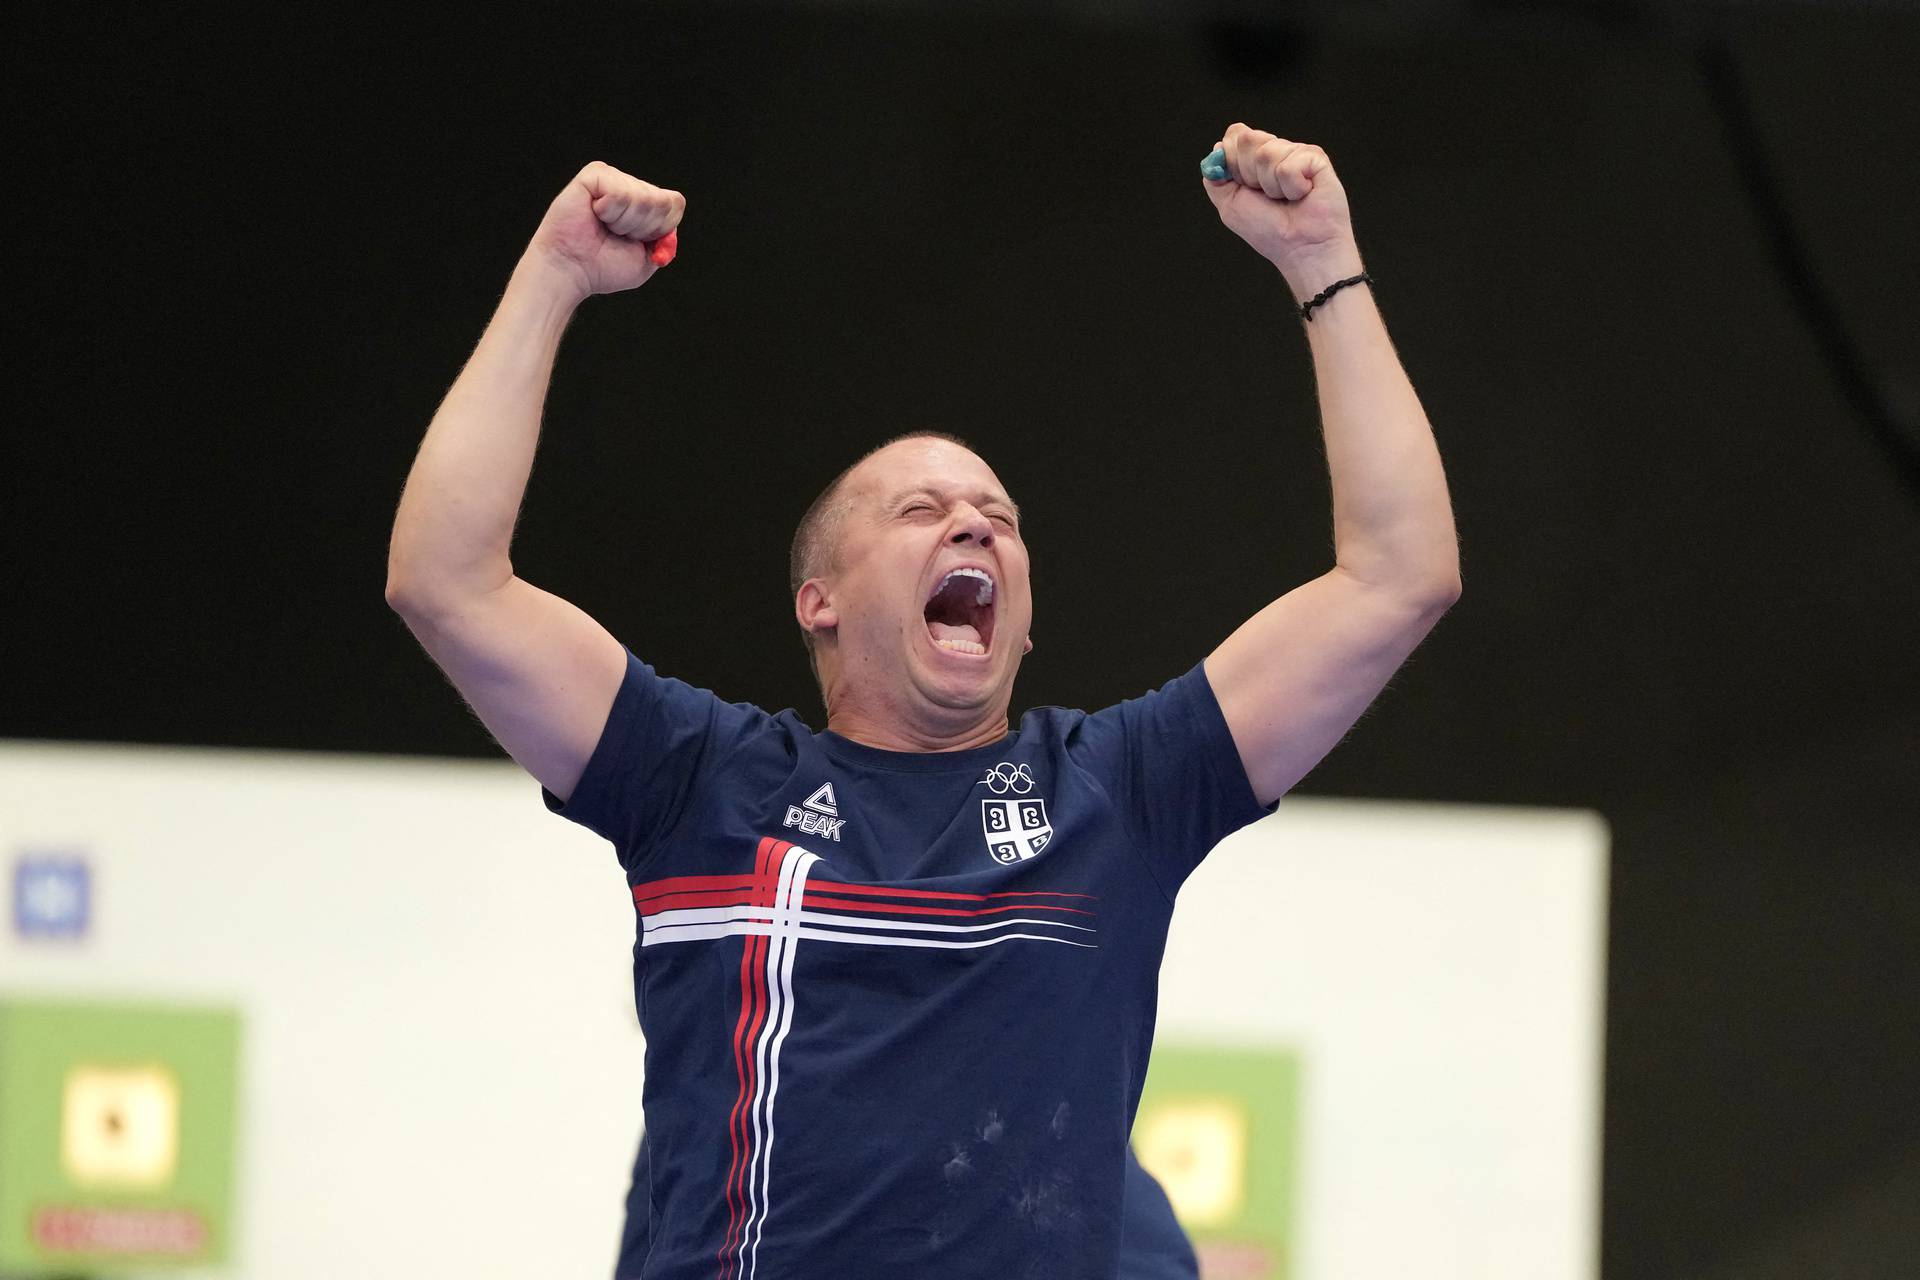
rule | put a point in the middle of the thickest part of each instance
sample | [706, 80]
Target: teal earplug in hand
[1214, 167]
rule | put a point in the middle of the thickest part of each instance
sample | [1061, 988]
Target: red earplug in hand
[661, 251]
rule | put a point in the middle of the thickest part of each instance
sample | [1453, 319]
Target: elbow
[1439, 587]
[1428, 592]
[1437, 594]
[407, 587]
[404, 599]
[1424, 576]
[429, 592]
[399, 584]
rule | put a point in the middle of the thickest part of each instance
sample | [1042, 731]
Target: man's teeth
[962, 646]
[983, 594]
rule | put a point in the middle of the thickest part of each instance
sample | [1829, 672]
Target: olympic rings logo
[1003, 778]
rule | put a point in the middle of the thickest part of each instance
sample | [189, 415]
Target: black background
[253, 252]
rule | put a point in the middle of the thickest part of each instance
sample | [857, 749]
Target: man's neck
[893, 733]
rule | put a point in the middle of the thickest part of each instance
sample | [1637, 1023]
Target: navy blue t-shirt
[898, 1005]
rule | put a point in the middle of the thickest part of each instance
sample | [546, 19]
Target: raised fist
[1283, 198]
[603, 227]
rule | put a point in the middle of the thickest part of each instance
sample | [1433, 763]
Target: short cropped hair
[816, 543]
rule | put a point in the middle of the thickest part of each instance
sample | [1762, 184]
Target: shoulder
[677, 714]
[642, 672]
[1184, 694]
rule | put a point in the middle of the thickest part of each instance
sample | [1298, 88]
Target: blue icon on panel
[51, 896]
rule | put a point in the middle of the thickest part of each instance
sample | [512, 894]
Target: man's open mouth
[960, 611]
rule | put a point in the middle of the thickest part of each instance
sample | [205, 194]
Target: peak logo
[818, 814]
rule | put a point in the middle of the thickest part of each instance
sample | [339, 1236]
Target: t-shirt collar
[845, 750]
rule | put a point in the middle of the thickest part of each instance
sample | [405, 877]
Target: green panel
[1219, 1126]
[119, 1123]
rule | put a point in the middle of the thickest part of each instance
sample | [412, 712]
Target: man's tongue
[960, 636]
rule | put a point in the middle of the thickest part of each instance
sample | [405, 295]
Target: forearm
[456, 517]
[1392, 518]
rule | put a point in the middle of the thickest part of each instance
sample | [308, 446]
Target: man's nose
[969, 523]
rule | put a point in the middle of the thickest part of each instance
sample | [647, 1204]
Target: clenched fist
[603, 228]
[1282, 198]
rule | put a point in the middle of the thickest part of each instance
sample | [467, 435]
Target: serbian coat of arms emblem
[1016, 829]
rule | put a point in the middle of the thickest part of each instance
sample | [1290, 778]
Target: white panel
[441, 1073]
[1440, 969]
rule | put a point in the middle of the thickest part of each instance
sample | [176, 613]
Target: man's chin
[958, 679]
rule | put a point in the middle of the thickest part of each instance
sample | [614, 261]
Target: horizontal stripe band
[765, 915]
[761, 928]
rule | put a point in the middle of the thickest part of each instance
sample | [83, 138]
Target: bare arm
[456, 517]
[539, 672]
[1294, 678]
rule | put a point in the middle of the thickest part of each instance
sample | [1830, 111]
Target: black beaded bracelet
[1306, 308]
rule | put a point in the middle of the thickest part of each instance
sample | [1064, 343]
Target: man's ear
[812, 609]
[1029, 648]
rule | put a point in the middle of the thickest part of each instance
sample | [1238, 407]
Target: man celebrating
[898, 977]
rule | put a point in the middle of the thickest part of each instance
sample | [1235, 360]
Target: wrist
[550, 278]
[1306, 277]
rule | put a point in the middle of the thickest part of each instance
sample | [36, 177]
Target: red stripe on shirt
[746, 1028]
[880, 890]
[691, 884]
[822, 900]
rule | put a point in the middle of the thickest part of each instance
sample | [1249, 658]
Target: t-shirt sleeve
[661, 735]
[1170, 764]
